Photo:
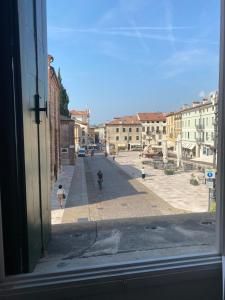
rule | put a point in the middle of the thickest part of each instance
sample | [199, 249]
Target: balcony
[200, 140]
[200, 126]
[151, 133]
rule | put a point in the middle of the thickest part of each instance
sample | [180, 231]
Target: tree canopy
[63, 98]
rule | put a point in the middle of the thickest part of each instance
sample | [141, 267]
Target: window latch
[37, 109]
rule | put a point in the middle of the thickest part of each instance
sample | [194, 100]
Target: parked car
[82, 152]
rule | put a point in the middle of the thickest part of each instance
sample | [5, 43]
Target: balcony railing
[154, 132]
[200, 126]
[200, 140]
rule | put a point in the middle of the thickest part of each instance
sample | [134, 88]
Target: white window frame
[161, 269]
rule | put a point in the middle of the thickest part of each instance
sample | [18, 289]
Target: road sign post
[210, 176]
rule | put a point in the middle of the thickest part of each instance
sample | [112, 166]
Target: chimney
[204, 101]
[214, 97]
[195, 103]
[185, 106]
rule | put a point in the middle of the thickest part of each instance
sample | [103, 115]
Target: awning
[188, 146]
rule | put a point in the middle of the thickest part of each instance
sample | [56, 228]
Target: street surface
[123, 222]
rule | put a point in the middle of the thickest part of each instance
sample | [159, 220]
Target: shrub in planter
[213, 207]
[169, 172]
[194, 181]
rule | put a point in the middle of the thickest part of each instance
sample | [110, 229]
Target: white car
[82, 152]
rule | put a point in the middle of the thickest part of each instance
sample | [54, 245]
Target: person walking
[143, 173]
[100, 179]
[61, 195]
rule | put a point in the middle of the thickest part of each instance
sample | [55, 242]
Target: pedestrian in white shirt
[61, 195]
[143, 173]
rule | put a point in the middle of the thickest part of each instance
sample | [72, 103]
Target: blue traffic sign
[210, 173]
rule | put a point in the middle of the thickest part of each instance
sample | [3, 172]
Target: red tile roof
[126, 120]
[79, 113]
[153, 116]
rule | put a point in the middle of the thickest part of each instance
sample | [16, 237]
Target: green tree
[63, 98]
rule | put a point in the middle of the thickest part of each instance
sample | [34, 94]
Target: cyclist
[100, 179]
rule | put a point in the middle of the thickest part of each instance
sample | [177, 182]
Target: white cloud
[202, 94]
[137, 32]
[169, 22]
[183, 61]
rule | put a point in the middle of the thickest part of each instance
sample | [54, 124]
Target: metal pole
[215, 137]
[209, 201]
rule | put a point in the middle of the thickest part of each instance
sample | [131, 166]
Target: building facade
[177, 124]
[170, 131]
[81, 128]
[67, 148]
[173, 129]
[91, 135]
[153, 128]
[199, 128]
[124, 133]
[54, 119]
[100, 131]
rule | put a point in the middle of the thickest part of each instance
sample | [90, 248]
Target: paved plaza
[121, 196]
[126, 221]
[175, 190]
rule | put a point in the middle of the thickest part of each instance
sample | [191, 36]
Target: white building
[81, 127]
[199, 127]
[100, 131]
[153, 128]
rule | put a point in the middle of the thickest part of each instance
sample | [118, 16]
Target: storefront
[188, 150]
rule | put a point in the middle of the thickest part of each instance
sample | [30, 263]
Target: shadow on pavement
[74, 244]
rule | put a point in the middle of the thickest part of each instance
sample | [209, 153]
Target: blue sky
[120, 57]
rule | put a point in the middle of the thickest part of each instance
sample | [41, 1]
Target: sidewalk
[77, 207]
[65, 177]
[175, 189]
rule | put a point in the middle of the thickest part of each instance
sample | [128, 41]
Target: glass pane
[136, 83]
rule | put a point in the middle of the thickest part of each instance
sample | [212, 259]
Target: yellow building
[177, 124]
[124, 133]
[173, 129]
[170, 131]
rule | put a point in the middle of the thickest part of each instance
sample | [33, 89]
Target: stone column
[178, 150]
[165, 151]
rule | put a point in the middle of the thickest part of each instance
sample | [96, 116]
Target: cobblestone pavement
[176, 189]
